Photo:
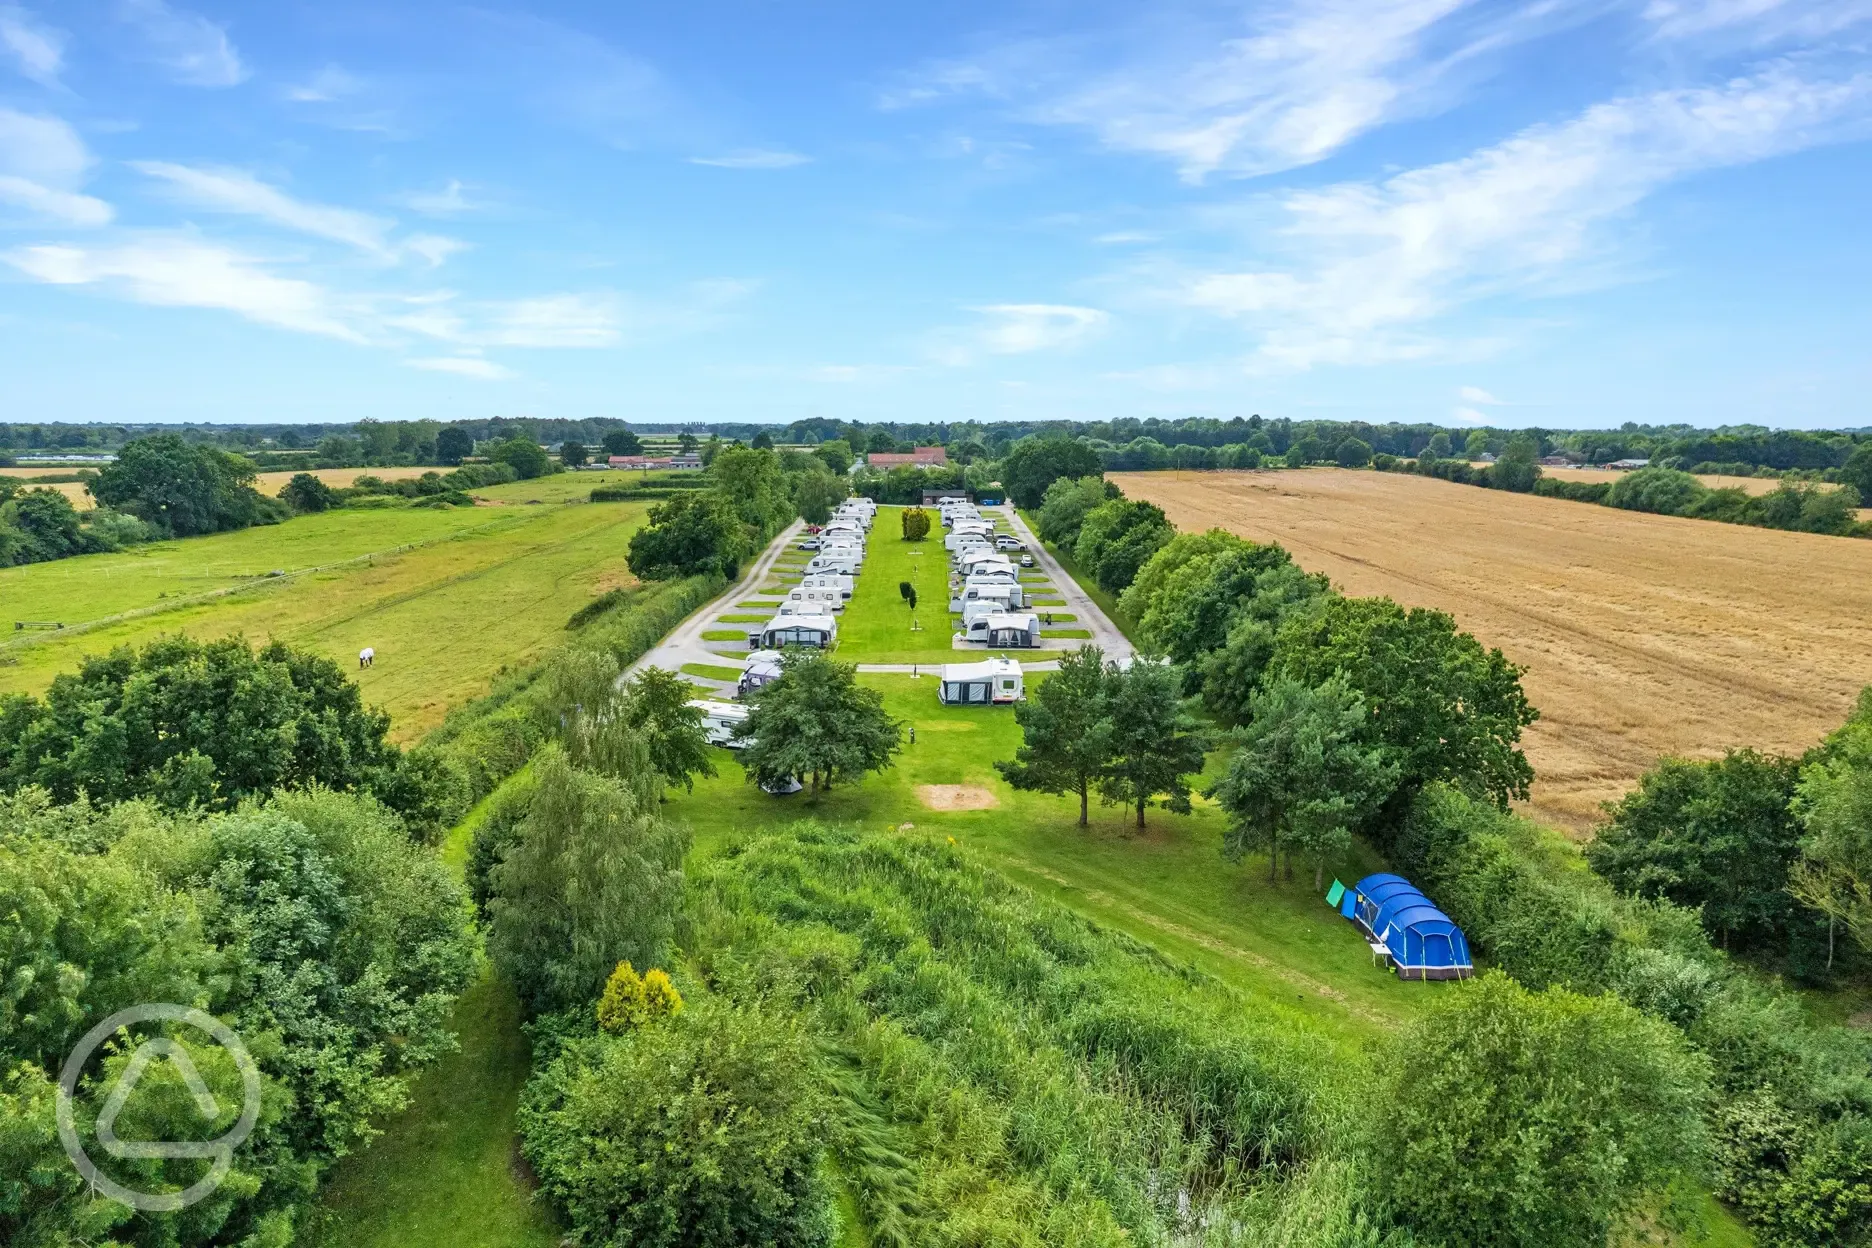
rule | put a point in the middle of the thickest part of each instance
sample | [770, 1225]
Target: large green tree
[1834, 803]
[1155, 745]
[453, 445]
[1718, 836]
[593, 878]
[187, 489]
[816, 491]
[188, 722]
[817, 723]
[1066, 504]
[38, 525]
[1306, 774]
[1117, 538]
[1443, 707]
[1232, 672]
[1193, 607]
[1534, 1120]
[1066, 730]
[656, 706]
[1036, 463]
[694, 534]
[523, 455]
[754, 488]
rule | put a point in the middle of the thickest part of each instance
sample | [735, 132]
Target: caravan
[994, 683]
[795, 630]
[841, 563]
[722, 721]
[816, 600]
[1001, 630]
[979, 595]
[763, 668]
[828, 580]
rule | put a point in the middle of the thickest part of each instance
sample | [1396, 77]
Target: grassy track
[443, 618]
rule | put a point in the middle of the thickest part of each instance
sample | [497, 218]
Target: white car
[1026, 561]
[1004, 542]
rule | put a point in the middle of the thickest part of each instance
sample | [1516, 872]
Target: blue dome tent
[1421, 940]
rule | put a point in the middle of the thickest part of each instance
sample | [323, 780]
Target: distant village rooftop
[921, 457]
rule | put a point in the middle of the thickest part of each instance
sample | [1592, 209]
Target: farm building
[1419, 939]
[980, 684]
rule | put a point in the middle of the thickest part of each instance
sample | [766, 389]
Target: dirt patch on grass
[956, 797]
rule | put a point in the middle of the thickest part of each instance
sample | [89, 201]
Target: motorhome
[722, 721]
[838, 562]
[763, 668]
[995, 682]
[795, 630]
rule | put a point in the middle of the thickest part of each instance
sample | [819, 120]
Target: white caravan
[795, 630]
[722, 721]
[995, 682]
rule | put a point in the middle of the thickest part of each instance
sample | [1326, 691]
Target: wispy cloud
[241, 194]
[43, 163]
[1301, 80]
[753, 158]
[1017, 329]
[37, 50]
[184, 272]
[463, 366]
[1469, 416]
[447, 202]
[328, 86]
[1372, 264]
[1757, 21]
[195, 51]
[1476, 394]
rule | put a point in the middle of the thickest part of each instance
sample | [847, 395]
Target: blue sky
[1562, 212]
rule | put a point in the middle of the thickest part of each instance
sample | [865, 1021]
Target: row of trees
[752, 494]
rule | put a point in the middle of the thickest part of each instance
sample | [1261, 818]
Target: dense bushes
[1535, 1121]
[311, 924]
[38, 525]
[1795, 1099]
[185, 723]
[704, 1130]
[1115, 539]
[750, 497]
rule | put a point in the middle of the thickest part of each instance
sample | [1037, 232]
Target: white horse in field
[366, 656]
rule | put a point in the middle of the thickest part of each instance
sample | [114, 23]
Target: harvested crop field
[1641, 635]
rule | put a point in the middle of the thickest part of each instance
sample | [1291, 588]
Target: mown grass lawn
[444, 618]
[712, 671]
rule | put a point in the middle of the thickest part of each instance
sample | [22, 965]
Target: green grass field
[1168, 885]
[443, 617]
[712, 671]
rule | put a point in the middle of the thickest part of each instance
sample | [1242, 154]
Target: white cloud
[1294, 83]
[195, 51]
[233, 191]
[184, 272]
[1476, 394]
[328, 86]
[753, 158]
[1759, 21]
[1121, 237]
[1372, 262]
[1018, 329]
[43, 163]
[447, 202]
[38, 50]
[548, 321]
[434, 248]
[1469, 416]
[45, 201]
[463, 366]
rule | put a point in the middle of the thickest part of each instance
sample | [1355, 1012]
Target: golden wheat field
[1640, 635]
